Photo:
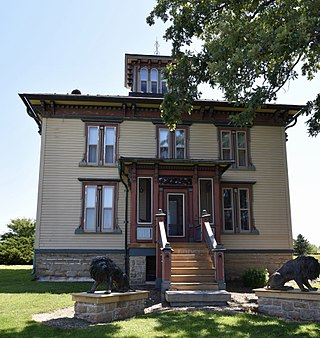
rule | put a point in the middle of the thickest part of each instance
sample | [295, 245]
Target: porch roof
[222, 164]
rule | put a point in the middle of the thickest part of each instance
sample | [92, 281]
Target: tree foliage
[301, 246]
[16, 245]
[250, 50]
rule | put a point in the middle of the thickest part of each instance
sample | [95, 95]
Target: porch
[187, 244]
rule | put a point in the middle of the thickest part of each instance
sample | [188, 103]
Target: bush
[255, 278]
[16, 246]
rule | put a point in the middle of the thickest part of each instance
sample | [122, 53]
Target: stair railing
[215, 250]
[164, 252]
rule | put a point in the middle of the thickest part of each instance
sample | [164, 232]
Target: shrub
[16, 246]
[255, 278]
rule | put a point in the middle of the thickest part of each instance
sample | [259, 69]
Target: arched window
[163, 84]
[154, 81]
[144, 80]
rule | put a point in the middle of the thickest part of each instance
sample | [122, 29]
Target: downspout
[126, 260]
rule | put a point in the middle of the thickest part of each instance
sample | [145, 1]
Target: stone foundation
[293, 304]
[137, 270]
[236, 263]
[69, 266]
[105, 308]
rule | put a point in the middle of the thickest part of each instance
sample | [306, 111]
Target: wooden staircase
[192, 268]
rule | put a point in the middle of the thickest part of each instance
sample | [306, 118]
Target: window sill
[110, 232]
[249, 168]
[84, 164]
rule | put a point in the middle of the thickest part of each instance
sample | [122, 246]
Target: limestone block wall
[293, 305]
[237, 263]
[137, 270]
[68, 267]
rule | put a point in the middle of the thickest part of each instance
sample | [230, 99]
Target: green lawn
[20, 298]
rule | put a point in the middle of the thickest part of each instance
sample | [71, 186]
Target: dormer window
[163, 82]
[144, 80]
[154, 81]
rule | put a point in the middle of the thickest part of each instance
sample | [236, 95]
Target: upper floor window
[236, 202]
[154, 81]
[99, 208]
[234, 146]
[163, 82]
[151, 82]
[101, 144]
[172, 144]
[144, 80]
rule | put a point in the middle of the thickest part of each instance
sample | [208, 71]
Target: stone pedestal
[293, 304]
[104, 308]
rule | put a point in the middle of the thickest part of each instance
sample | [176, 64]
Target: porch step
[193, 286]
[190, 256]
[192, 263]
[198, 298]
[192, 278]
[192, 268]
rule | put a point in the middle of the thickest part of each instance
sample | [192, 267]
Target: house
[115, 181]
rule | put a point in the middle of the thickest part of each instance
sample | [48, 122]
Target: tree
[16, 245]
[250, 50]
[301, 246]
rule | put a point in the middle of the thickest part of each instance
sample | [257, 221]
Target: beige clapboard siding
[203, 143]
[137, 139]
[270, 193]
[60, 208]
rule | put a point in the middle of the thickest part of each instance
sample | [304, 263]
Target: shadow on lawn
[22, 281]
[38, 330]
[209, 324]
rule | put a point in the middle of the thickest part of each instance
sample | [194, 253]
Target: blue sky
[57, 46]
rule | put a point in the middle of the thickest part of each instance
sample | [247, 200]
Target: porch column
[217, 206]
[160, 217]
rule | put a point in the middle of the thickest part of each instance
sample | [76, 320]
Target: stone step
[193, 286]
[198, 297]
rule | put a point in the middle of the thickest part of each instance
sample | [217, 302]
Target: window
[145, 200]
[101, 145]
[154, 81]
[172, 144]
[236, 209]
[144, 80]
[234, 146]
[164, 88]
[206, 197]
[99, 208]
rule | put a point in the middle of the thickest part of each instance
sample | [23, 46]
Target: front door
[176, 216]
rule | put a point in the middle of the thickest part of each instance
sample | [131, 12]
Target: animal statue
[300, 269]
[104, 270]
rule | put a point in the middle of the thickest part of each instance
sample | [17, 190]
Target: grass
[20, 298]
